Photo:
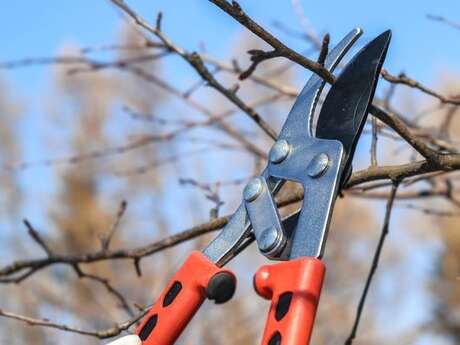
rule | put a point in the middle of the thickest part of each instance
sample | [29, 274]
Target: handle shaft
[294, 287]
[181, 299]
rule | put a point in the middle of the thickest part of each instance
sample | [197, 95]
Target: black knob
[221, 287]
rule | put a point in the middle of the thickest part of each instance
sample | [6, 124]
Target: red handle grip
[294, 287]
[197, 279]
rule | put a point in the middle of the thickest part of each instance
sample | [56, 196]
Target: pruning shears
[318, 156]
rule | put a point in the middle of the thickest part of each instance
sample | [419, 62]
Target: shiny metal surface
[270, 239]
[253, 189]
[220, 250]
[345, 108]
[279, 151]
[227, 242]
[319, 191]
[318, 165]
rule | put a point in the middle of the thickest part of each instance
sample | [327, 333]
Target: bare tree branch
[235, 11]
[444, 20]
[404, 80]
[402, 129]
[197, 63]
[106, 283]
[446, 162]
[103, 334]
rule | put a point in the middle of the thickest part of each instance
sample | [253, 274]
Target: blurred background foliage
[83, 172]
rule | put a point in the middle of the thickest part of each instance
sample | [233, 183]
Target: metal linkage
[264, 217]
[316, 164]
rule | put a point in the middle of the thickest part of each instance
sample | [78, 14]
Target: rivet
[279, 151]
[253, 189]
[269, 239]
[318, 165]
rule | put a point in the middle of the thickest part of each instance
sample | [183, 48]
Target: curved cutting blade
[345, 108]
[301, 114]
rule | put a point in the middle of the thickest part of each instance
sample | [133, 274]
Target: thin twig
[314, 40]
[37, 238]
[102, 334]
[445, 126]
[210, 192]
[432, 212]
[444, 20]
[106, 283]
[155, 138]
[194, 60]
[105, 240]
[403, 130]
[405, 80]
[375, 261]
[373, 150]
[309, 31]
[257, 56]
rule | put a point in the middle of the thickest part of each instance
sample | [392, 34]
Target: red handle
[294, 287]
[197, 279]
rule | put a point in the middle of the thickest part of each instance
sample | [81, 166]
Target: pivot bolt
[318, 165]
[269, 239]
[253, 189]
[279, 151]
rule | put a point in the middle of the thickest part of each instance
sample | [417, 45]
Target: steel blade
[345, 108]
[300, 117]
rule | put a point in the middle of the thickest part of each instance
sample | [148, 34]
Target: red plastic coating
[303, 278]
[171, 320]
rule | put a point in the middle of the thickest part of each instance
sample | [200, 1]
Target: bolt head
[253, 189]
[279, 151]
[318, 165]
[268, 239]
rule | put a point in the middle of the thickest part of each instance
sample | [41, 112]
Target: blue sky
[39, 28]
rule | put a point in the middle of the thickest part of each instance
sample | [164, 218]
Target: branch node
[78, 271]
[236, 6]
[257, 56]
[234, 89]
[137, 266]
[324, 49]
[158, 21]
